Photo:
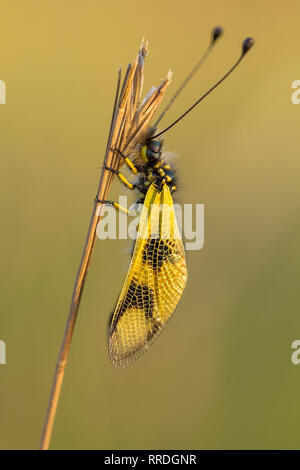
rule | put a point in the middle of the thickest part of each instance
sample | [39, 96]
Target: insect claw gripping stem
[121, 177]
[126, 160]
[111, 169]
[117, 206]
[102, 201]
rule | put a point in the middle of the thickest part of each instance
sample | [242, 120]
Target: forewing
[154, 283]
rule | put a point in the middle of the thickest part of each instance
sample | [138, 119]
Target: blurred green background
[221, 375]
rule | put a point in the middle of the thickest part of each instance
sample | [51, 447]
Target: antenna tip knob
[216, 33]
[247, 44]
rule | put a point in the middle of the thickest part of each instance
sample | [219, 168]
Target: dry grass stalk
[128, 126]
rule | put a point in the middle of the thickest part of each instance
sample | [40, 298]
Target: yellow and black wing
[154, 283]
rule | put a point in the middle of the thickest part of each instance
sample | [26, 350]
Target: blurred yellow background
[221, 374]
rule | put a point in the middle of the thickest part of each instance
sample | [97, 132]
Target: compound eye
[154, 146]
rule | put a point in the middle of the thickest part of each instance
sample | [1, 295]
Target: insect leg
[121, 177]
[116, 205]
[126, 160]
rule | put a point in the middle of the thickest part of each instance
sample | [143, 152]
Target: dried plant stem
[129, 122]
[66, 343]
[104, 186]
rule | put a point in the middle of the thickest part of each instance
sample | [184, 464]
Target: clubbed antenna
[246, 46]
[215, 34]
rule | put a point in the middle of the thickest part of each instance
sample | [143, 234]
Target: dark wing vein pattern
[154, 283]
